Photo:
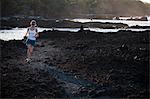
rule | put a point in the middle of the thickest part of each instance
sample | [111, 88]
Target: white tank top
[32, 34]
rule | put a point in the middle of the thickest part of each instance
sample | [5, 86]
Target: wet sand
[116, 64]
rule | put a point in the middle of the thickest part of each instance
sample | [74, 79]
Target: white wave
[128, 22]
[18, 33]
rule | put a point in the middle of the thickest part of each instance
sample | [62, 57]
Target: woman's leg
[29, 51]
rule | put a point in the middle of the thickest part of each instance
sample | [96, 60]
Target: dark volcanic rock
[19, 83]
[117, 62]
[42, 22]
[140, 27]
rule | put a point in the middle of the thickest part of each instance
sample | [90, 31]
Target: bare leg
[31, 50]
[28, 51]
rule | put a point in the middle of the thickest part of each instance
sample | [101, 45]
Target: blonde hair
[33, 22]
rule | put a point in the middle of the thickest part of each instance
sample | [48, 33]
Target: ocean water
[18, 33]
[128, 22]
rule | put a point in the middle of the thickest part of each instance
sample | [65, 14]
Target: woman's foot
[28, 60]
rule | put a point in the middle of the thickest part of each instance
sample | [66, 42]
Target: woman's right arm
[27, 32]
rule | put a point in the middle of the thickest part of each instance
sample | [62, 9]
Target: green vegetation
[74, 8]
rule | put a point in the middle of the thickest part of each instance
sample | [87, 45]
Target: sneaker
[28, 60]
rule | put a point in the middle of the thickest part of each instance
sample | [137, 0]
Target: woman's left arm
[37, 34]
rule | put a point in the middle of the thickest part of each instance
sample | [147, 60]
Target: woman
[32, 33]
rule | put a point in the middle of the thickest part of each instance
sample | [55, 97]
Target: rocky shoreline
[19, 80]
[20, 22]
[62, 23]
[115, 61]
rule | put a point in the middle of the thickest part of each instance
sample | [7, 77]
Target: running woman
[32, 34]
